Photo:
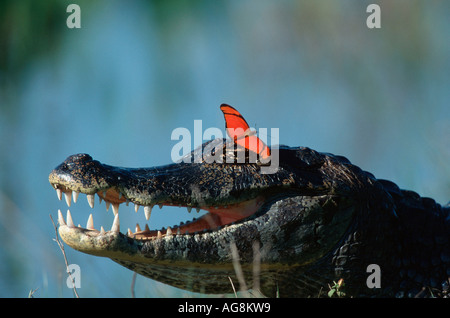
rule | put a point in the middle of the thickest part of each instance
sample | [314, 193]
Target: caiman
[291, 233]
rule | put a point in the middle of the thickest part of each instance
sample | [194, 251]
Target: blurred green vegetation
[28, 29]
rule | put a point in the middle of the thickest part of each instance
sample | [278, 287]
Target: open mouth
[216, 217]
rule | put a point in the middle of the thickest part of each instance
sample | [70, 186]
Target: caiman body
[317, 219]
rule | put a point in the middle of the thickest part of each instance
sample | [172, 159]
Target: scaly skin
[317, 219]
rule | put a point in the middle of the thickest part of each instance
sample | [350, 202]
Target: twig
[61, 247]
[31, 293]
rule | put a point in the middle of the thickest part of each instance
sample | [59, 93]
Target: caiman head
[287, 226]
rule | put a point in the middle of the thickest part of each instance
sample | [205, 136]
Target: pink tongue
[223, 215]
[235, 212]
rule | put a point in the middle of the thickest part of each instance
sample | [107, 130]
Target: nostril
[81, 157]
[77, 159]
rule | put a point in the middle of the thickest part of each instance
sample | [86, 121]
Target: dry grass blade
[256, 267]
[232, 285]
[238, 269]
[133, 284]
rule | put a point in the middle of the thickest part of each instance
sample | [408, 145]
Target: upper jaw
[81, 174]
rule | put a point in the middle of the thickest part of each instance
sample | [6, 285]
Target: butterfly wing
[253, 143]
[239, 131]
[235, 123]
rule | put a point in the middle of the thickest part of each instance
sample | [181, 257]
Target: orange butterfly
[239, 131]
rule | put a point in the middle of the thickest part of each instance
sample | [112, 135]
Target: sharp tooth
[100, 200]
[120, 195]
[197, 209]
[115, 208]
[136, 207]
[138, 228]
[59, 194]
[127, 202]
[69, 219]
[159, 235]
[169, 231]
[104, 194]
[75, 196]
[160, 205]
[90, 223]
[146, 228]
[91, 199]
[147, 211]
[61, 218]
[189, 208]
[68, 197]
[129, 233]
[107, 205]
[102, 230]
[116, 225]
